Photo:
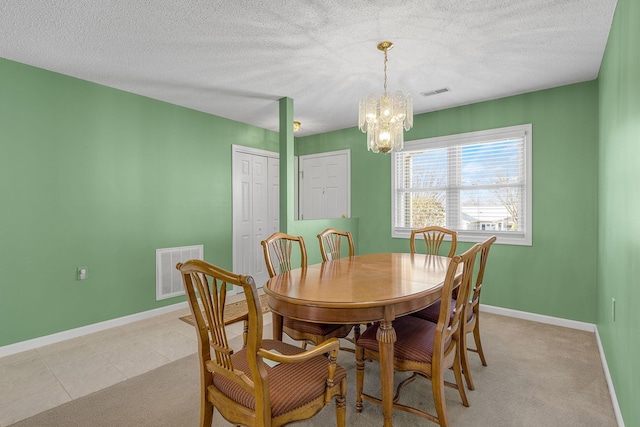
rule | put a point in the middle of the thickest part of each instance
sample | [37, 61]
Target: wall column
[287, 208]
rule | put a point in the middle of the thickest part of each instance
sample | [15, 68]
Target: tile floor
[36, 380]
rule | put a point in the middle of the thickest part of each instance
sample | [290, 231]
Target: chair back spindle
[278, 252]
[433, 237]
[331, 243]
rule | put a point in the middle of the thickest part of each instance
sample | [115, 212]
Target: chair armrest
[236, 375]
[227, 320]
[329, 346]
[236, 318]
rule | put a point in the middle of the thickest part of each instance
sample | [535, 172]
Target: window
[477, 183]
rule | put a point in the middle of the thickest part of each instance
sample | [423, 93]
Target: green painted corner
[618, 207]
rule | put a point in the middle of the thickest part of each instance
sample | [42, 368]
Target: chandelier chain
[385, 70]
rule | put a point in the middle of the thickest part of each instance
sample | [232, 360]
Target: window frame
[523, 238]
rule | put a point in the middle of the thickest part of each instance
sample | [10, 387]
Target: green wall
[560, 266]
[619, 207]
[96, 177]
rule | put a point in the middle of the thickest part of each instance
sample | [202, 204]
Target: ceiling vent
[436, 92]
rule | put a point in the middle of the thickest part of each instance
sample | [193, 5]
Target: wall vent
[168, 279]
[436, 92]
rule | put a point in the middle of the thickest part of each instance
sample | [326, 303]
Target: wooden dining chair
[279, 250]
[331, 243]
[427, 349]
[433, 237]
[278, 254]
[471, 314]
[266, 383]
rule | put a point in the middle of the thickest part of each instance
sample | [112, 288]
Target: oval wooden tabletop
[358, 288]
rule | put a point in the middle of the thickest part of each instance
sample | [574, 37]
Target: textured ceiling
[235, 59]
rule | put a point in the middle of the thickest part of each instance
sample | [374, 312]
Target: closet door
[255, 205]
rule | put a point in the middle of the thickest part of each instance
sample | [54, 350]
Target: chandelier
[383, 119]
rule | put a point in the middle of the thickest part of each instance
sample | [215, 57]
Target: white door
[325, 185]
[242, 211]
[255, 209]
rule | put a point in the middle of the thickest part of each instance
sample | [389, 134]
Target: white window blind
[478, 184]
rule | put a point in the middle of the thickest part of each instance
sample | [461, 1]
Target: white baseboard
[10, 349]
[540, 318]
[583, 326]
[607, 375]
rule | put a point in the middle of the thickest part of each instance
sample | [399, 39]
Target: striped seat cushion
[414, 339]
[432, 312]
[290, 385]
[309, 327]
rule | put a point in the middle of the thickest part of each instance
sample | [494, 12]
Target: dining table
[360, 289]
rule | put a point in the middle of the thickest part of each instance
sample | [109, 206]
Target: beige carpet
[538, 375]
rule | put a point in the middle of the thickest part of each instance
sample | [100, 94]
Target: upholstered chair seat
[320, 329]
[431, 313]
[287, 390]
[415, 343]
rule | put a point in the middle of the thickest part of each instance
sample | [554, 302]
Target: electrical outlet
[613, 309]
[82, 273]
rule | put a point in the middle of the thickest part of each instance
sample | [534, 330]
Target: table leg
[276, 323]
[386, 337]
